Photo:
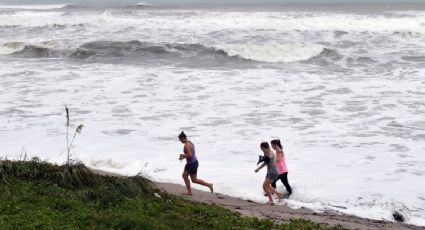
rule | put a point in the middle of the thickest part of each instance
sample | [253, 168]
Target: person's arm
[261, 166]
[187, 152]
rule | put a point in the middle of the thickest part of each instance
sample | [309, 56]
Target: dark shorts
[192, 168]
[272, 176]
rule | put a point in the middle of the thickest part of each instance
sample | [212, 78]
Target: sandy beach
[282, 213]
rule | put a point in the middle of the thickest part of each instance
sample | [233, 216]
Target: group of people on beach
[276, 168]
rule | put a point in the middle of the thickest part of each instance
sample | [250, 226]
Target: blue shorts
[192, 168]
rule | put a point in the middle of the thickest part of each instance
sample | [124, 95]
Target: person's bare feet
[270, 203]
[211, 188]
[187, 194]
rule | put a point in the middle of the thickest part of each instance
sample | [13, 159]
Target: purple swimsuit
[192, 163]
[192, 159]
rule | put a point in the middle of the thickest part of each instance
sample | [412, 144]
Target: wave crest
[143, 4]
[136, 50]
[274, 52]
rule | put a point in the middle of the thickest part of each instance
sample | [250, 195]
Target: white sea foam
[138, 111]
[272, 52]
[107, 163]
[30, 14]
[144, 4]
[266, 21]
[11, 47]
[34, 7]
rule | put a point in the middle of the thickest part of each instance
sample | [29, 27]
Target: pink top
[281, 165]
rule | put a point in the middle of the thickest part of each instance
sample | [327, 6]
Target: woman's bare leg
[273, 190]
[202, 182]
[185, 176]
[266, 186]
[270, 190]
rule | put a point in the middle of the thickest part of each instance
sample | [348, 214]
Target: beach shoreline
[278, 213]
[282, 213]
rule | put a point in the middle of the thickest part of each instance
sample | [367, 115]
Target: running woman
[191, 167]
[272, 173]
[281, 167]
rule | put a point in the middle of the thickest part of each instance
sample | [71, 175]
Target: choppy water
[344, 90]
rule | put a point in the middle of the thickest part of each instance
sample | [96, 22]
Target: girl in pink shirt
[281, 167]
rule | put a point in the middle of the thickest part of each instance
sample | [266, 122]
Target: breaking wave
[272, 53]
[144, 4]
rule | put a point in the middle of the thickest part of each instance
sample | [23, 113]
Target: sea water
[342, 86]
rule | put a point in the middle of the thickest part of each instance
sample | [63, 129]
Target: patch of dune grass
[40, 195]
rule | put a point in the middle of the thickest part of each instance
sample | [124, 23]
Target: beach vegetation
[35, 194]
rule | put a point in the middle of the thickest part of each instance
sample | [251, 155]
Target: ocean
[342, 85]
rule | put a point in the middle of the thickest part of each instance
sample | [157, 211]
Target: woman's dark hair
[276, 142]
[265, 145]
[182, 135]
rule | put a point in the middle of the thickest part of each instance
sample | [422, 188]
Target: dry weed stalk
[77, 131]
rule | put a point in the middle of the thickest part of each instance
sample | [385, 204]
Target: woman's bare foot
[187, 194]
[211, 188]
[270, 203]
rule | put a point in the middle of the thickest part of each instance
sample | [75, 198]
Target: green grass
[40, 195]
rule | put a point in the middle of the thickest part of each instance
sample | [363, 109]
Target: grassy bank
[40, 195]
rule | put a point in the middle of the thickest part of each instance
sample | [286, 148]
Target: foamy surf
[34, 7]
[272, 52]
[142, 4]
[11, 47]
